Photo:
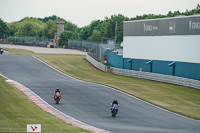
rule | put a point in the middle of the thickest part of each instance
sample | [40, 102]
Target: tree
[50, 28]
[108, 27]
[53, 17]
[3, 29]
[64, 36]
[69, 26]
[96, 36]
[85, 32]
[31, 29]
[95, 25]
[197, 10]
[13, 28]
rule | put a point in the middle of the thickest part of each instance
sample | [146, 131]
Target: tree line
[97, 30]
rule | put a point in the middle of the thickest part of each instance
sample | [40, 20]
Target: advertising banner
[189, 25]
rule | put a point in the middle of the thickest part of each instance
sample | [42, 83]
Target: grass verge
[16, 111]
[179, 99]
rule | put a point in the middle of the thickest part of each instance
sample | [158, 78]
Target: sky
[82, 12]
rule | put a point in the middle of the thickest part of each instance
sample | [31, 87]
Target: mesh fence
[28, 40]
[96, 50]
[75, 44]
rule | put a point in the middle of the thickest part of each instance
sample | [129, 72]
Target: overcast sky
[82, 12]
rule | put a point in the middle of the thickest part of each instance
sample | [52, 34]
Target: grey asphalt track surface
[90, 102]
[44, 50]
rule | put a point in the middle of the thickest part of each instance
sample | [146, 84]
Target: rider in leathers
[114, 102]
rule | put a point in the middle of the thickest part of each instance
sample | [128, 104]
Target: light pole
[115, 32]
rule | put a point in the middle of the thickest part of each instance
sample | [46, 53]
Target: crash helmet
[115, 101]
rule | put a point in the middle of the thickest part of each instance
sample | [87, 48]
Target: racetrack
[90, 102]
[44, 50]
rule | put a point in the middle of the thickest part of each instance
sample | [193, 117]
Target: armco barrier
[147, 75]
[158, 77]
[96, 63]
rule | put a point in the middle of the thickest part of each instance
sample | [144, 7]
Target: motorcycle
[1, 50]
[114, 110]
[57, 97]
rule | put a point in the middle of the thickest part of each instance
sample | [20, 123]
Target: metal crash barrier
[146, 75]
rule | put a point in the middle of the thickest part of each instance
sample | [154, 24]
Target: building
[60, 29]
[166, 46]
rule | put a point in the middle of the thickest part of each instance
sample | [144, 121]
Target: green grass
[179, 99]
[16, 111]
[19, 51]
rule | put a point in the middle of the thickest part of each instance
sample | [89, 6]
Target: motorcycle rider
[114, 102]
[57, 91]
[57, 95]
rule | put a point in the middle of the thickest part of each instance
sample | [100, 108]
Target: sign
[150, 28]
[194, 25]
[172, 26]
[186, 25]
[34, 128]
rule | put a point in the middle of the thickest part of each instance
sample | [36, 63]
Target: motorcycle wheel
[113, 115]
